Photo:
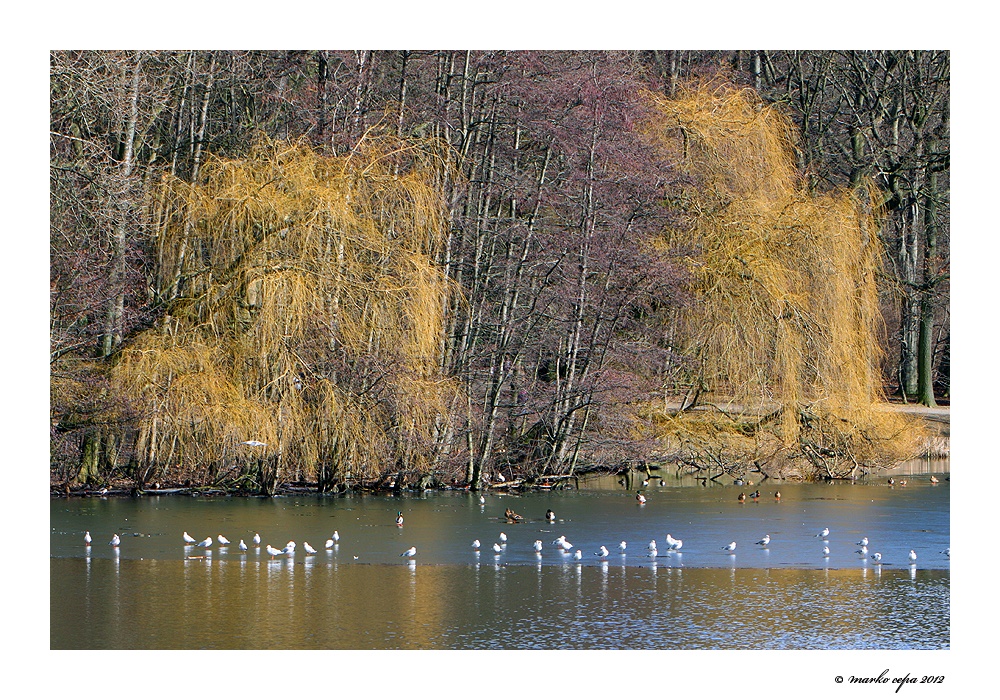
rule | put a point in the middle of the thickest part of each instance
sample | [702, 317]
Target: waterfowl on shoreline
[206, 543]
[87, 539]
[755, 495]
[475, 545]
[824, 533]
[934, 480]
[891, 481]
[602, 552]
[399, 518]
[412, 551]
[537, 545]
[826, 552]
[578, 555]
[308, 547]
[877, 557]
[511, 516]
[764, 541]
[188, 539]
[497, 548]
[863, 551]
[256, 539]
[243, 546]
[273, 551]
[640, 498]
[651, 546]
[731, 547]
[550, 516]
[742, 497]
[863, 542]
[912, 556]
[503, 538]
[115, 541]
[621, 546]
[223, 541]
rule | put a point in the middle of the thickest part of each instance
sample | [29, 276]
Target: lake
[155, 591]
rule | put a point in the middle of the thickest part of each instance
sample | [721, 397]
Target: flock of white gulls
[671, 545]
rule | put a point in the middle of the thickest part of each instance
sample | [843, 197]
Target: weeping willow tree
[783, 330]
[305, 313]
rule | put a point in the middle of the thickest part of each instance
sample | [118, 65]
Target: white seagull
[412, 551]
[602, 552]
[877, 556]
[764, 541]
[863, 542]
[115, 541]
[223, 540]
[335, 537]
[399, 518]
[621, 546]
[273, 551]
[206, 543]
[824, 533]
[578, 554]
[651, 546]
[559, 540]
[256, 539]
[475, 544]
[308, 547]
[863, 551]
[566, 546]
[503, 538]
[243, 546]
[482, 500]
[87, 538]
[329, 544]
[669, 540]
[947, 552]
[913, 556]
[537, 545]
[497, 548]
[189, 539]
[676, 545]
[731, 547]
[826, 551]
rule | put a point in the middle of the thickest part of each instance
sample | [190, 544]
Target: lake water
[155, 592]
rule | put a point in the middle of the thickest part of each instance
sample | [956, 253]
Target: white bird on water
[503, 538]
[87, 539]
[863, 542]
[223, 540]
[559, 540]
[602, 552]
[289, 548]
[475, 544]
[497, 548]
[243, 546]
[913, 556]
[621, 546]
[863, 551]
[256, 539]
[877, 556]
[410, 552]
[826, 551]
[676, 545]
[731, 547]
[206, 543]
[578, 555]
[824, 533]
[537, 545]
[669, 540]
[399, 518]
[115, 541]
[329, 544]
[273, 551]
[335, 537]
[651, 546]
[566, 546]
[764, 541]
[947, 552]
[308, 547]
[189, 539]
[482, 500]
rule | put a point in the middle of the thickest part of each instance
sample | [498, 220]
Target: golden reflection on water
[320, 604]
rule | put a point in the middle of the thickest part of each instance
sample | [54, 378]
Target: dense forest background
[446, 266]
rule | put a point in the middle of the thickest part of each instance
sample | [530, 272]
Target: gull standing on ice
[863, 542]
[826, 552]
[764, 541]
[824, 533]
[537, 545]
[412, 551]
[578, 555]
[602, 552]
[223, 540]
[497, 548]
[256, 539]
[651, 546]
[503, 538]
[621, 546]
[731, 547]
[877, 556]
[87, 539]
[243, 546]
[188, 539]
[206, 543]
[913, 557]
[308, 547]
[475, 544]
[273, 551]
[115, 541]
